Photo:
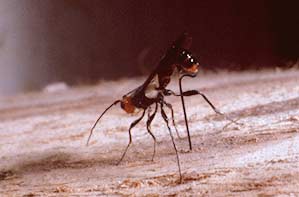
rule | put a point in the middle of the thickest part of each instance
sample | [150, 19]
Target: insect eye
[183, 54]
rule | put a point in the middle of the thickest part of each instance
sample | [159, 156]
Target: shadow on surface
[46, 161]
[260, 110]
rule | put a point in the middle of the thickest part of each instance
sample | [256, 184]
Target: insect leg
[195, 92]
[172, 117]
[172, 139]
[115, 102]
[130, 136]
[148, 126]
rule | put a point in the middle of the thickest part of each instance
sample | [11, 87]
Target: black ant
[152, 92]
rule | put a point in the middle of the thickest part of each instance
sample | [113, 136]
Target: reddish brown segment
[192, 69]
[128, 105]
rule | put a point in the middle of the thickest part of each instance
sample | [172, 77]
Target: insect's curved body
[177, 57]
[152, 91]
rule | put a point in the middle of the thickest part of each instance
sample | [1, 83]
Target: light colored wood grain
[43, 136]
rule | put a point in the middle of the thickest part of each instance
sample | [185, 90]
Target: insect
[153, 91]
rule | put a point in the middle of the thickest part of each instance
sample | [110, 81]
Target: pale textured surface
[43, 136]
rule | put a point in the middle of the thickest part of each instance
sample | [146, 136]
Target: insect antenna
[115, 102]
[184, 108]
[195, 92]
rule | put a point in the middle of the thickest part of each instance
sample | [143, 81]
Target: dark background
[82, 41]
[123, 38]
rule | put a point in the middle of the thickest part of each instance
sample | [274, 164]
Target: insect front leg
[196, 92]
[130, 136]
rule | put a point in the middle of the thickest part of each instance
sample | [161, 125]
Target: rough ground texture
[43, 137]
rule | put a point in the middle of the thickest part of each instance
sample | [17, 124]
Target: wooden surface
[43, 137]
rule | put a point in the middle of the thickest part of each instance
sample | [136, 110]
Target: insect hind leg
[91, 130]
[130, 136]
